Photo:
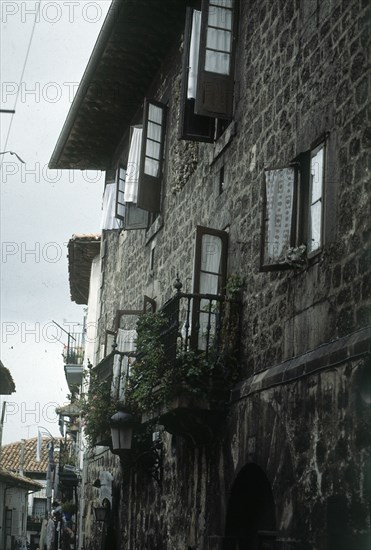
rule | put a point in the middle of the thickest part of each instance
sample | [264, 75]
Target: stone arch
[251, 515]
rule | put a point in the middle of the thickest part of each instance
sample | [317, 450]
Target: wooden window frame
[200, 232]
[149, 187]
[120, 192]
[222, 86]
[300, 226]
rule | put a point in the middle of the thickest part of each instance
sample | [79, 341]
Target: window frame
[313, 152]
[208, 79]
[120, 190]
[301, 219]
[200, 232]
[150, 187]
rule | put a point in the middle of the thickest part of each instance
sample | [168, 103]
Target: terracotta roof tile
[11, 455]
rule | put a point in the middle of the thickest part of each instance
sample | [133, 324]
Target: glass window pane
[280, 192]
[120, 209]
[211, 251]
[219, 40]
[314, 241]
[151, 167]
[209, 283]
[316, 170]
[218, 17]
[154, 131]
[155, 113]
[152, 149]
[216, 62]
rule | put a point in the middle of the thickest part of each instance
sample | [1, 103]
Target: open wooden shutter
[152, 153]
[192, 126]
[216, 62]
[136, 218]
[120, 193]
[279, 216]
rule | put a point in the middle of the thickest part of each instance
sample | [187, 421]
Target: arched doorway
[251, 517]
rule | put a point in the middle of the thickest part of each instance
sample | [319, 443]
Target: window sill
[154, 229]
[222, 143]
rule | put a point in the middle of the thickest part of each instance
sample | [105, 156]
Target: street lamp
[121, 425]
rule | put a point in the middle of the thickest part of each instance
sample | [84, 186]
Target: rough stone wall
[301, 72]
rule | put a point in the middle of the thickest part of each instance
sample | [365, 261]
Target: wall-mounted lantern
[102, 513]
[121, 425]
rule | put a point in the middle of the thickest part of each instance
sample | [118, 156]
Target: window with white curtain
[209, 278]
[293, 210]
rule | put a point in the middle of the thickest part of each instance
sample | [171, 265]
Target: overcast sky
[40, 209]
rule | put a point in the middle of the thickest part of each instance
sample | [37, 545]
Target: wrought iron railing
[74, 351]
[199, 322]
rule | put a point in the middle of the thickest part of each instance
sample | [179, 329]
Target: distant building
[11, 459]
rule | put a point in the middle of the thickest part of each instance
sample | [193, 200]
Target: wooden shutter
[135, 218]
[152, 153]
[120, 193]
[279, 216]
[192, 126]
[216, 61]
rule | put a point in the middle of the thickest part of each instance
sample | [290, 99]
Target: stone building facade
[287, 465]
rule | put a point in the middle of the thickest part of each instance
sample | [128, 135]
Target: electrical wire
[23, 71]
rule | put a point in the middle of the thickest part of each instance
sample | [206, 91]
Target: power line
[23, 71]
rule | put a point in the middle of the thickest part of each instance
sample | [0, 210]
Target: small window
[39, 507]
[292, 228]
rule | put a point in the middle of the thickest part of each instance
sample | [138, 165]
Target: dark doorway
[251, 518]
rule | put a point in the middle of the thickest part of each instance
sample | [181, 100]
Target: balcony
[199, 335]
[73, 359]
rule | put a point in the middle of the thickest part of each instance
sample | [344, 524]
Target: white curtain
[219, 37]
[109, 221]
[211, 253]
[279, 190]
[126, 342]
[93, 313]
[132, 172]
[193, 54]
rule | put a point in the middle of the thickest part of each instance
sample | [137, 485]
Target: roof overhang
[82, 249]
[134, 39]
[21, 482]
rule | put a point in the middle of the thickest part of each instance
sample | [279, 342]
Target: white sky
[40, 209]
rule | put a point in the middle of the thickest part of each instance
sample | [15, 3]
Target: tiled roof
[15, 480]
[11, 455]
[7, 385]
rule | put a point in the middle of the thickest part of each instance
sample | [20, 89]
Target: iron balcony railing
[74, 351]
[200, 322]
